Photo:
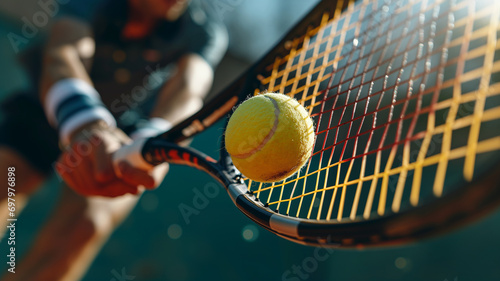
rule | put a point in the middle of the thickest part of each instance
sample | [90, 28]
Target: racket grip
[131, 153]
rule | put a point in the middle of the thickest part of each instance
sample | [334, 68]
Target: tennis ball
[269, 137]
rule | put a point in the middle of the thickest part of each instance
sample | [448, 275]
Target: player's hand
[88, 169]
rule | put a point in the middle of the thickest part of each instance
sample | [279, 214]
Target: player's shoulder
[199, 16]
[204, 32]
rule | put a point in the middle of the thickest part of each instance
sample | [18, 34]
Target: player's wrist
[89, 129]
[71, 104]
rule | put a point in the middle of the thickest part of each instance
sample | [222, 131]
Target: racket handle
[132, 153]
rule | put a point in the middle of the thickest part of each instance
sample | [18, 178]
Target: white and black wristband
[153, 127]
[71, 103]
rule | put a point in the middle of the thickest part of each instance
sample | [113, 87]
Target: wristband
[71, 103]
[151, 128]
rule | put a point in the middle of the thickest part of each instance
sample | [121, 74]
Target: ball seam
[268, 136]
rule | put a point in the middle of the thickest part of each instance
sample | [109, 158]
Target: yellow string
[307, 184]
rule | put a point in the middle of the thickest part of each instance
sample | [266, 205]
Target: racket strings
[387, 92]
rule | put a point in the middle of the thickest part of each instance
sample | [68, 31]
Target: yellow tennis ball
[269, 137]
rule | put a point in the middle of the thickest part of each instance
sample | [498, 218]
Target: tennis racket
[405, 97]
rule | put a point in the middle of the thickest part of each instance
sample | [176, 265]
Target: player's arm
[180, 97]
[183, 94]
[68, 53]
[74, 107]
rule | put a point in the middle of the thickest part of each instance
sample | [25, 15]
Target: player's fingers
[102, 169]
[134, 176]
[159, 173]
[86, 183]
[78, 173]
[84, 180]
[111, 188]
[118, 188]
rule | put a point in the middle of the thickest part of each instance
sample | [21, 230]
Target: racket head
[405, 96]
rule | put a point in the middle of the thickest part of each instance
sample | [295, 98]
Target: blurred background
[219, 242]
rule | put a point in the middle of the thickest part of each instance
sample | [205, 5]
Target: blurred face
[170, 10]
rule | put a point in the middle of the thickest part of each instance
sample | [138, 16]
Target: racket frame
[453, 209]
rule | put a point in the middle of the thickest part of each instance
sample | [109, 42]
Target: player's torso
[122, 68]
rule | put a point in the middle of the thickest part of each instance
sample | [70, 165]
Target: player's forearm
[183, 95]
[68, 53]
[61, 63]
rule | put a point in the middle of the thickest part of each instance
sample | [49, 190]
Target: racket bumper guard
[284, 225]
[132, 153]
[236, 190]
